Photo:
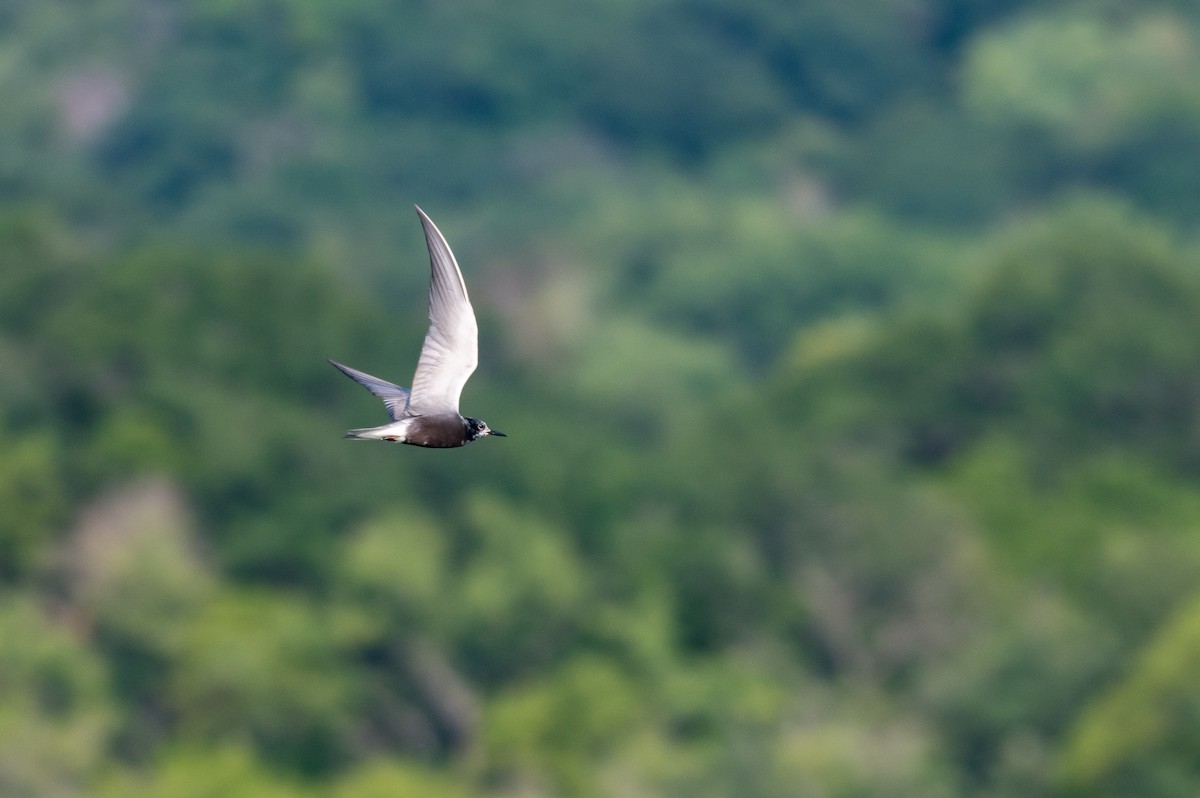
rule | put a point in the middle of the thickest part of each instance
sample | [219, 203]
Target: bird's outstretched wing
[395, 397]
[451, 350]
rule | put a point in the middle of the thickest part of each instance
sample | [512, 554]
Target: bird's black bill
[501, 434]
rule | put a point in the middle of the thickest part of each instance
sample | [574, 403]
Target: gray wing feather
[395, 397]
[451, 350]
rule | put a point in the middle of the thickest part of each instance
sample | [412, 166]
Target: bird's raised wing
[395, 397]
[451, 350]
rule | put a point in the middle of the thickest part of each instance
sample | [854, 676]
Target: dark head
[477, 429]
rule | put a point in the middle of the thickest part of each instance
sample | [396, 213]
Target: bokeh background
[849, 354]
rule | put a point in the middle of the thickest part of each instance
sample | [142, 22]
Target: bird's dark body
[439, 432]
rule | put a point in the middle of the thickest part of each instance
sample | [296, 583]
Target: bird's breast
[437, 432]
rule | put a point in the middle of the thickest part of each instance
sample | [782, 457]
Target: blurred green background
[850, 355]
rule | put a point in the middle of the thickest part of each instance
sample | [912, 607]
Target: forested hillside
[849, 354]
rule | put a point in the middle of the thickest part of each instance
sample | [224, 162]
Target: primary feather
[451, 350]
[393, 396]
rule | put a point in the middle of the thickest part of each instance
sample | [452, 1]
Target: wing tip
[433, 236]
[440, 253]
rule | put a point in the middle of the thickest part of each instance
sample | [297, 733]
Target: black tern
[427, 415]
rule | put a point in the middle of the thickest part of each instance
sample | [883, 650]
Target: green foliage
[1095, 530]
[521, 596]
[55, 710]
[1001, 700]
[31, 489]
[255, 667]
[132, 566]
[768, 273]
[560, 728]
[397, 565]
[1088, 78]
[847, 352]
[205, 773]
[1140, 731]
[390, 778]
[1102, 96]
[1053, 346]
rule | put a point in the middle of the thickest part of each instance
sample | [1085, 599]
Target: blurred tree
[521, 595]
[132, 567]
[390, 778]
[1055, 346]
[56, 714]
[549, 737]
[1002, 700]
[256, 667]
[31, 492]
[1139, 733]
[130, 570]
[788, 277]
[1101, 97]
[227, 770]
[1096, 530]
[397, 566]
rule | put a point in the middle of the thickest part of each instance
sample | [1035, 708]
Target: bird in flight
[427, 414]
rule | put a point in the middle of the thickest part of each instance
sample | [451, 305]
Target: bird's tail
[363, 434]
